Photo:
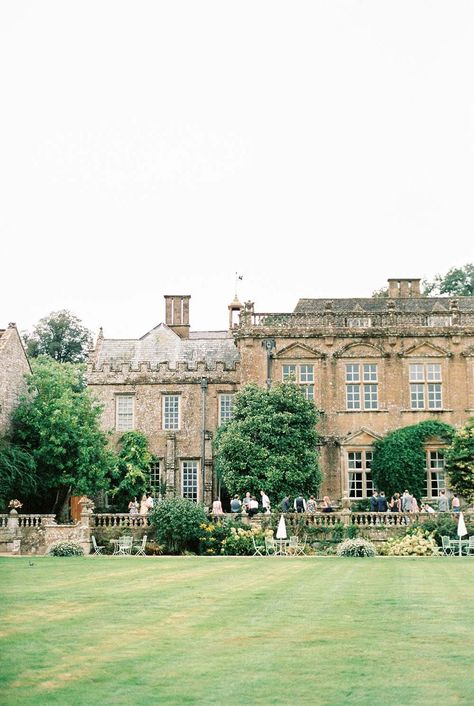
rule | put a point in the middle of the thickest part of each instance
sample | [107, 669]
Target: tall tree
[458, 281]
[17, 473]
[61, 336]
[57, 422]
[132, 477]
[270, 443]
[460, 461]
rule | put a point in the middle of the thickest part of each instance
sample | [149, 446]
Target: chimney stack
[398, 288]
[177, 313]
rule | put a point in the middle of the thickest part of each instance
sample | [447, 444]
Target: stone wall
[13, 368]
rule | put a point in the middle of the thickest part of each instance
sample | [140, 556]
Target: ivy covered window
[359, 474]
[425, 386]
[362, 391]
[303, 375]
[435, 473]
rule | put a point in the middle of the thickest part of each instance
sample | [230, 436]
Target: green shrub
[352, 531]
[177, 524]
[356, 547]
[66, 548]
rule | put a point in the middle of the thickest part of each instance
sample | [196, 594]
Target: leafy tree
[61, 336]
[399, 459]
[458, 281]
[57, 423]
[177, 523]
[17, 473]
[381, 293]
[133, 467]
[460, 461]
[270, 443]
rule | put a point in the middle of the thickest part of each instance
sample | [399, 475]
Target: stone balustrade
[119, 519]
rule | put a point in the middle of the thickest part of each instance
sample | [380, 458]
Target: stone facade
[371, 365]
[14, 366]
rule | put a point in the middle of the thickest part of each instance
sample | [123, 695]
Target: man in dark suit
[374, 502]
[382, 502]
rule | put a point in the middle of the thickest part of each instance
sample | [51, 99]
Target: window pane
[353, 396]
[371, 400]
[306, 373]
[289, 373]
[225, 407]
[417, 373]
[354, 459]
[189, 483]
[370, 373]
[433, 373]
[308, 391]
[155, 475]
[355, 485]
[417, 394]
[124, 407]
[171, 412]
[352, 372]
[434, 396]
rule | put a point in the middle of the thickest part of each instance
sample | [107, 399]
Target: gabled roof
[162, 344]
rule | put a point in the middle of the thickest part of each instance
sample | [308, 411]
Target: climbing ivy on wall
[460, 461]
[399, 460]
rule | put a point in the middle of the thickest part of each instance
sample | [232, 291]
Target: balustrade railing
[35, 520]
[119, 519]
[357, 320]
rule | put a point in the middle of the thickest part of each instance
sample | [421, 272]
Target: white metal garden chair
[446, 545]
[140, 547]
[270, 545]
[96, 547]
[125, 545]
[257, 548]
[301, 548]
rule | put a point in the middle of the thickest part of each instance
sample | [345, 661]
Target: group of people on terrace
[250, 505]
[143, 507]
[406, 502]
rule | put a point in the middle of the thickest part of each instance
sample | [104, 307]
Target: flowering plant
[15, 504]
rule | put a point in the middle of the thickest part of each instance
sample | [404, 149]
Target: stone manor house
[371, 365]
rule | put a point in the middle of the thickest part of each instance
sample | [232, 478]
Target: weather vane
[237, 278]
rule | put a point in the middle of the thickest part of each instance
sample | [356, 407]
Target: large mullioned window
[362, 386]
[425, 386]
[303, 375]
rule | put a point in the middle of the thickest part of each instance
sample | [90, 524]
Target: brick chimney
[398, 288]
[177, 313]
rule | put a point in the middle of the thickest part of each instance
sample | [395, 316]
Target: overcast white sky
[151, 148]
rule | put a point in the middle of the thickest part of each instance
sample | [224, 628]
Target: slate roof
[161, 345]
[421, 305]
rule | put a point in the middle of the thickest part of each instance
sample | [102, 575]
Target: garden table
[455, 544]
[282, 545]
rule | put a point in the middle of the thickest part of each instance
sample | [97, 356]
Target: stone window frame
[363, 470]
[165, 398]
[302, 374]
[119, 398]
[194, 464]
[425, 385]
[361, 386]
[222, 418]
[155, 472]
[436, 476]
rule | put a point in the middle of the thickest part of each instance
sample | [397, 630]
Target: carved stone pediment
[425, 349]
[298, 351]
[361, 349]
[361, 437]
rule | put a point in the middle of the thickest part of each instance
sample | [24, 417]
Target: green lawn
[191, 630]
